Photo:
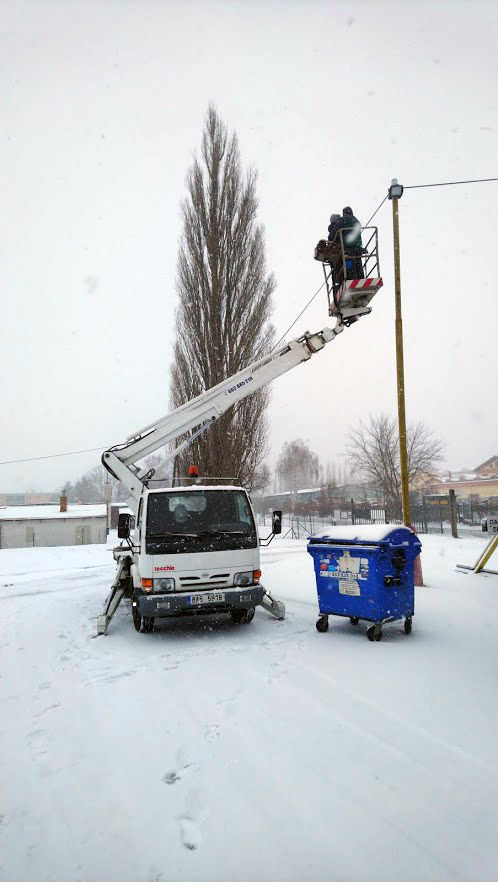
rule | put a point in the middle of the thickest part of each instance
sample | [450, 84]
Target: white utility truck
[192, 549]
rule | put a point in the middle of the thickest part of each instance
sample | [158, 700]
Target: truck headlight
[243, 578]
[163, 585]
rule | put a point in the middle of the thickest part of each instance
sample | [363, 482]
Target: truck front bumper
[181, 604]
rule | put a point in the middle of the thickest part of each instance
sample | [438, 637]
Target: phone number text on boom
[239, 385]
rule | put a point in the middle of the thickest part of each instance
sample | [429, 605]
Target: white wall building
[25, 526]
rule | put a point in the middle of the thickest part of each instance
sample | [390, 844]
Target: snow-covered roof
[459, 478]
[43, 512]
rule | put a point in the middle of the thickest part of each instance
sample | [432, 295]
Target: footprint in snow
[190, 833]
[177, 774]
[51, 707]
[212, 732]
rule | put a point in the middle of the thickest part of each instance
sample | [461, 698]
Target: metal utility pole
[395, 193]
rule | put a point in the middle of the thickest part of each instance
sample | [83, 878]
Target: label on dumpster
[348, 570]
[351, 587]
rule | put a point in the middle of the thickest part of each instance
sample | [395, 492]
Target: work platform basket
[352, 274]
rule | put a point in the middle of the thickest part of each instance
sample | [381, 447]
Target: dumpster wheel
[374, 633]
[322, 624]
[408, 625]
[354, 619]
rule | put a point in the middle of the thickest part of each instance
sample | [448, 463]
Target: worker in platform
[336, 256]
[334, 226]
[353, 248]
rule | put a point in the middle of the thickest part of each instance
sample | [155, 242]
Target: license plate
[199, 599]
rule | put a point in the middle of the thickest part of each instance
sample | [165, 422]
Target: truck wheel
[143, 624]
[137, 618]
[374, 633]
[242, 616]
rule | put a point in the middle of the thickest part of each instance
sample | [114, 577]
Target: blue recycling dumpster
[365, 572]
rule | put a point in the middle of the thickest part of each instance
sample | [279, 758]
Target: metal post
[486, 554]
[395, 192]
[453, 514]
[107, 499]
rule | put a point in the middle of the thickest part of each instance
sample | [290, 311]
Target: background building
[24, 526]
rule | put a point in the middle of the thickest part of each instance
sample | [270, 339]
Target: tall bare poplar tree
[225, 302]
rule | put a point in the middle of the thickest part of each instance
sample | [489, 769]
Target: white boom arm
[198, 414]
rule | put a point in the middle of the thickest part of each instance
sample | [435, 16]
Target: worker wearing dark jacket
[353, 248]
[336, 257]
[334, 226]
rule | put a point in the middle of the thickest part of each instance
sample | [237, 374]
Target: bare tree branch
[373, 453]
[297, 466]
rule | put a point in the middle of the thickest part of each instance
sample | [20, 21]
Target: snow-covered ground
[208, 751]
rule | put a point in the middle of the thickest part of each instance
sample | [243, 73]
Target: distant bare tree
[90, 487]
[261, 478]
[373, 453]
[225, 302]
[297, 466]
[330, 477]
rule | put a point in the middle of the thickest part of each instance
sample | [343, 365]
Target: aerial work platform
[352, 275]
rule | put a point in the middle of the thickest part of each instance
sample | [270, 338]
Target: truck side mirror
[124, 525]
[276, 522]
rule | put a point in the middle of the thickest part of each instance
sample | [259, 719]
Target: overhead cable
[448, 183]
[52, 455]
[299, 316]
[376, 210]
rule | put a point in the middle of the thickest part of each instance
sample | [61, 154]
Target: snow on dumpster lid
[361, 532]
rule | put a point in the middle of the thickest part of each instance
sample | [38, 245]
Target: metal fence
[429, 515]
[432, 515]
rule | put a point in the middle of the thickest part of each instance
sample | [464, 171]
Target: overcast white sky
[102, 108]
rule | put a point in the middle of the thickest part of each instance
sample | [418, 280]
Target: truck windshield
[199, 520]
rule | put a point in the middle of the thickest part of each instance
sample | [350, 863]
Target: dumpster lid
[361, 533]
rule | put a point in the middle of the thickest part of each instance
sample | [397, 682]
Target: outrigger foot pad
[102, 625]
[275, 607]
